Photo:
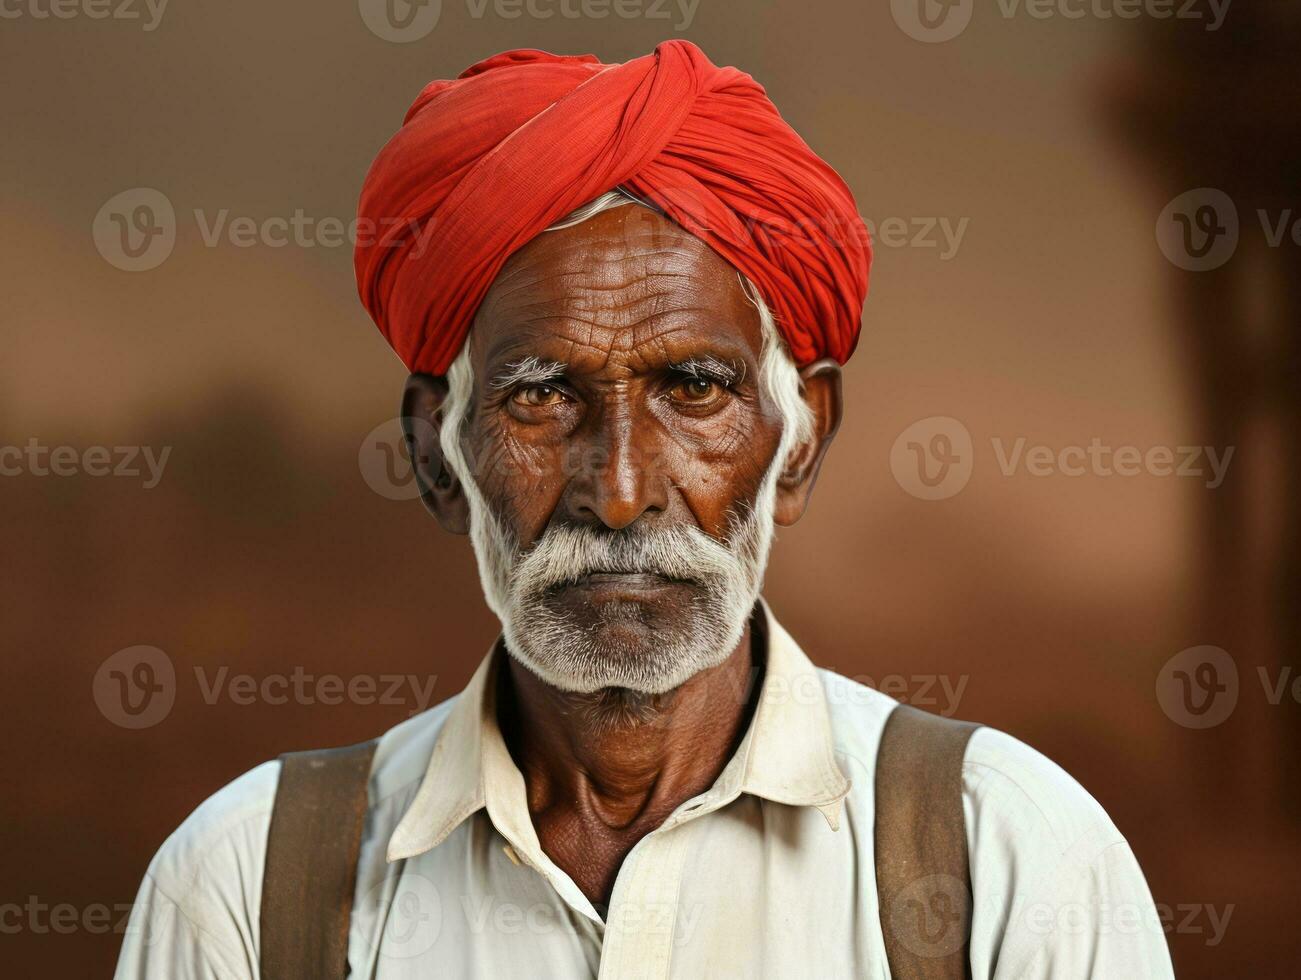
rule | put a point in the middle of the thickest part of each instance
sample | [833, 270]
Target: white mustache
[566, 553]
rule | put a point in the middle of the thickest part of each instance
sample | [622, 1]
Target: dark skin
[619, 304]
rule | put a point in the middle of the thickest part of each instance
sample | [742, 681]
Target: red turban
[484, 162]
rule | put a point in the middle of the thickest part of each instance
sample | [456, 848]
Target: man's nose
[617, 475]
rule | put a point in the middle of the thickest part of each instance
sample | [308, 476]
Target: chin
[651, 644]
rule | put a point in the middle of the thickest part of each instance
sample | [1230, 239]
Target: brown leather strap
[923, 880]
[311, 863]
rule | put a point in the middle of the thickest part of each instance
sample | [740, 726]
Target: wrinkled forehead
[626, 290]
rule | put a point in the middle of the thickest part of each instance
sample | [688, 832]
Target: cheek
[721, 467]
[522, 480]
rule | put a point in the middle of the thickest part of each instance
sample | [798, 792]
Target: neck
[620, 761]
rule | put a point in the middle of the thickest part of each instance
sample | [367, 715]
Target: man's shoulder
[1019, 790]
[222, 838]
[198, 909]
[1007, 784]
[223, 841]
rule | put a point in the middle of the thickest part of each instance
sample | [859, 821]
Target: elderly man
[624, 293]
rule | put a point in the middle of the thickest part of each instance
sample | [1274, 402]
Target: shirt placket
[640, 924]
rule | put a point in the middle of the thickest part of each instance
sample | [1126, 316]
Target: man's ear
[422, 419]
[820, 382]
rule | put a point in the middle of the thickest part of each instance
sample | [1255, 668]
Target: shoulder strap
[311, 862]
[923, 880]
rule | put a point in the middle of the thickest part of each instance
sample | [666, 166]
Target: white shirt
[769, 873]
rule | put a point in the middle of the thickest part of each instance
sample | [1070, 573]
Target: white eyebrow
[710, 368]
[528, 370]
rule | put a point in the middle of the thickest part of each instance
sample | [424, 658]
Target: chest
[757, 889]
[591, 852]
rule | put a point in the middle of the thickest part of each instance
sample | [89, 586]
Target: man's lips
[624, 581]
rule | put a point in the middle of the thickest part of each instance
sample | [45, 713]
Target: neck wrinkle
[620, 774]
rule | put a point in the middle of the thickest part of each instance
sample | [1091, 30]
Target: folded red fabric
[485, 161]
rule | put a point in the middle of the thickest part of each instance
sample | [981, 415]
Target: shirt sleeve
[162, 941]
[1057, 892]
[196, 914]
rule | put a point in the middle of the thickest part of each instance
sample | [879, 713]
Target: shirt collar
[787, 756]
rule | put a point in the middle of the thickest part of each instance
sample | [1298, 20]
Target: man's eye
[536, 396]
[696, 389]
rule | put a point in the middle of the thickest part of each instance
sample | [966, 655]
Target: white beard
[583, 658]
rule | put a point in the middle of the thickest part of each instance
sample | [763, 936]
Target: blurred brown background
[1053, 142]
